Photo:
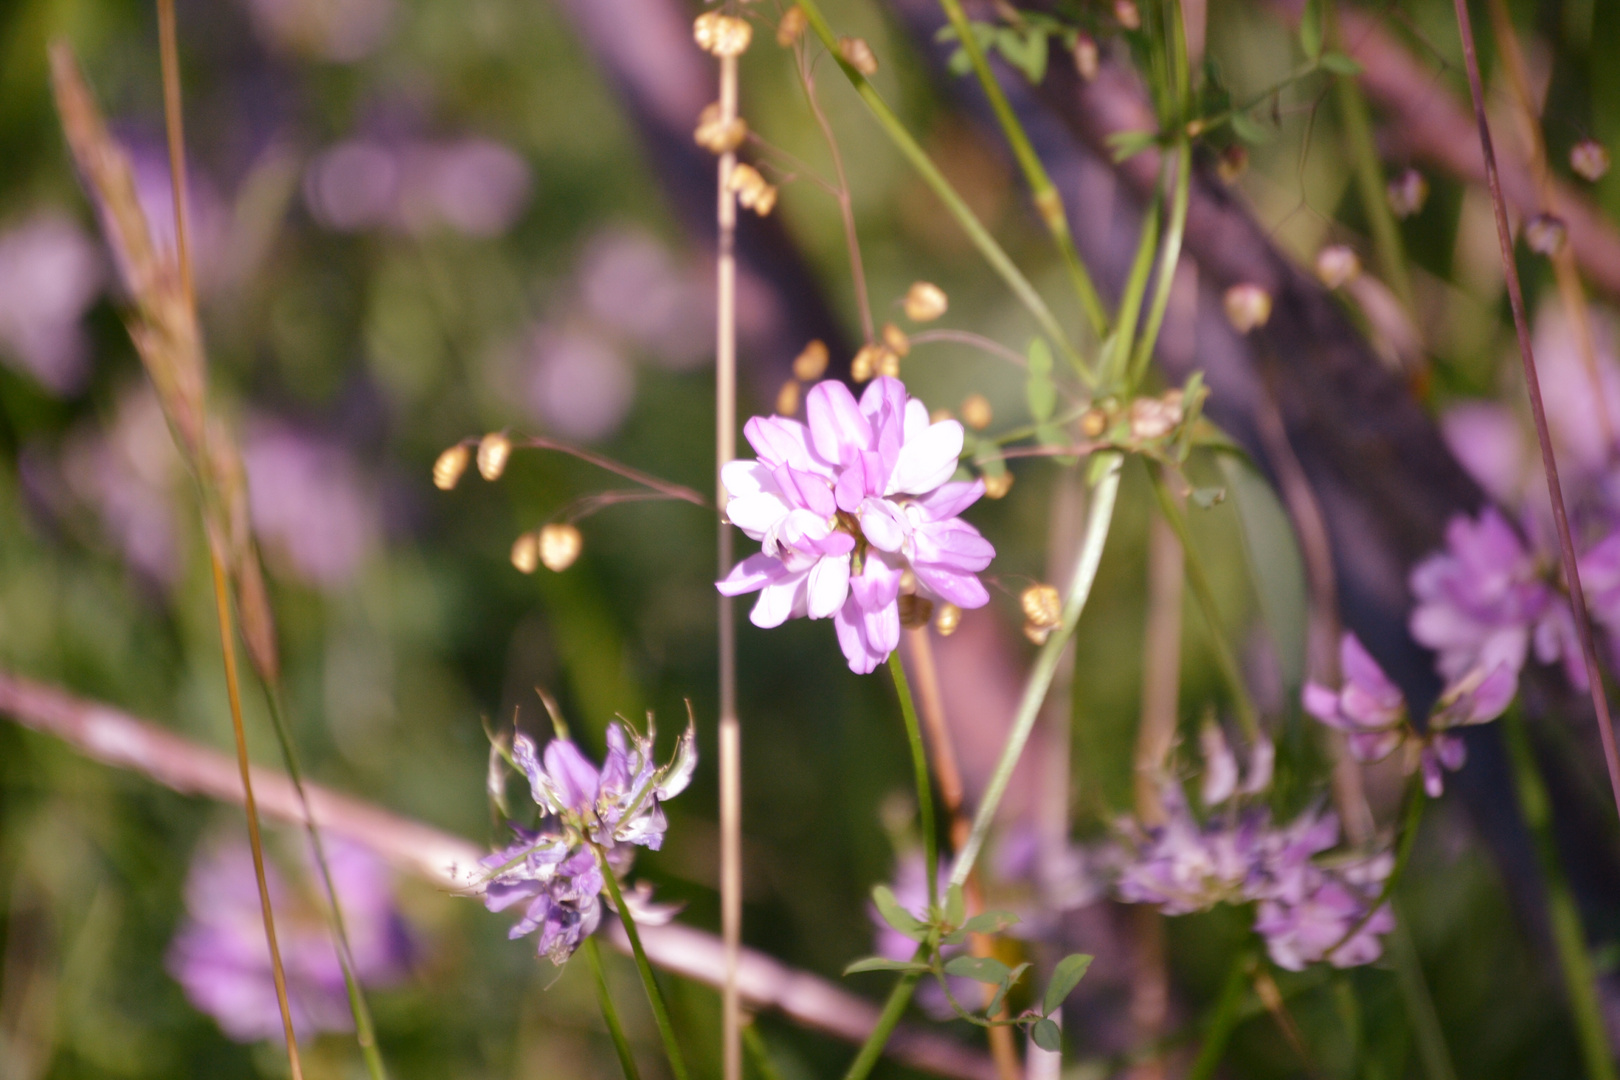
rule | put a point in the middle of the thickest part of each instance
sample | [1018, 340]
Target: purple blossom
[309, 504]
[1183, 866]
[845, 506]
[220, 958]
[1327, 918]
[1368, 708]
[473, 186]
[50, 274]
[1477, 698]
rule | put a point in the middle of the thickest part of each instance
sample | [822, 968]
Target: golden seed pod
[996, 487]
[864, 366]
[976, 412]
[925, 302]
[895, 338]
[1545, 234]
[787, 398]
[915, 611]
[939, 415]
[811, 363]
[526, 553]
[1037, 634]
[1086, 57]
[1337, 264]
[1589, 160]
[754, 192]
[560, 545]
[947, 619]
[1248, 307]
[722, 35]
[887, 362]
[1094, 422]
[1127, 14]
[1407, 193]
[1042, 605]
[791, 28]
[716, 135]
[450, 465]
[858, 55]
[493, 450]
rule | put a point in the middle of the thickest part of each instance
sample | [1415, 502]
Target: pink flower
[844, 506]
[1368, 708]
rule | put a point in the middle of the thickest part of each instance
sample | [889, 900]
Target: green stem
[1431, 1038]
[655, 996]
[1242, 704]
[1228, 1013]
[759, 1053]
[1048, 203]
[941, 187]
[1116, 357]
[919, 768]
[1569, 938]
[1099, 520]
[872, 1049]
[610, 1013]
[1169, 258]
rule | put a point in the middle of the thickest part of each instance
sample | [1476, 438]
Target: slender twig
[610, 1012]
[655, 995]
[1420, 1010]
[1566, 542]
[1169, 259]
[846, 203]
[1161, 668]
[601, 461]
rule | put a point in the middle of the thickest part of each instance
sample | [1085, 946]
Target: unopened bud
[1248, 307]
[450, 465]
[787, 398]
[925, 302]
[864, 366]
[1544, 234]
[791, 28]
[1407, 193]
[858, 55]
[1127, 14]
[947, 619]
[886, 362]
[526, 553]
[895, 338]
[997, 486]
[718, 135]
[976, 412]
[1042, 605]
[493, 450]
[1233, 163]
[811, 363]
[915, 611]
[1589, 160]
[1085, 56]
[1337, 264]
[722, 35]
[560, 545]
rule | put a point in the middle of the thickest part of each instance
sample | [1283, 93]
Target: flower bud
[915, 611]
[1589, 160]
[787, 398]
[1248, 307]
[1545, 234]
[976, 412]
[864, 366]
[947, 619]
[526, 553]
[722, 35]
[1085, 56]
[811, 363]
[560, 545]
[997, 486]
[1042, 605]
[925, 302]
[1407, 193]
[896, 340]
[1337, 264]
[716, 135]
[887, 362]
[450, 465]
[858, 55]
[791, 28]
[493, 450]
[1127, 14]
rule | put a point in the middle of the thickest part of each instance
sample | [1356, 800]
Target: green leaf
[897, 916]
[1249, 129]
[955, 905]
[1310, 29]
[990, 922]
[1047, 1035]
[1206, 497]
[1006, 984]
[1340, 64]
[878, 963]
[1070, 970]
[1127, 144]
[1040, 357]
[1275, 565]
[985, 969]
[959, 63]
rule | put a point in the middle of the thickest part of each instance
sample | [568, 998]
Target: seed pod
[716, 135]
[1154, 418]
[1248, 307]
[864, 366]
[493, 450]
[895, 338]
[1233, 163]
[915, 611]
[1407, 193]
[1337, 264]
[858, 55]
[526, 553]
[791, 28]
[450, 465]
[722, 35]
[925, 302]
[1589, 160]
[1094, 422]
[887, 362]
[996, 487]
[976, 412]
[754, 192]
[1042, 606]
[787, 398]
[947, 619]
[560, 545]
[811, 363]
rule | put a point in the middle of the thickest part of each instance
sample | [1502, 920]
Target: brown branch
[113, 737]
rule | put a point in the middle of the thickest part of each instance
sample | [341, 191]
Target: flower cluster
[590, 819]
[850, 510]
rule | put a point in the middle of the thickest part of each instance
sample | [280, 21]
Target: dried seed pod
[925, 302]
[787, 398]
[1545, 234]
[1086, 57]
[1589, 160]
[450, 465]
[1337, 264]
[560, 545]
[976, 412]
[493, 451]
[865, 364]
[886, 362]
[811, 363]
[791, 28]
[1094, 422]
[1042, 605]
[947, 619]
[716, 135]
[895, 338]
[722, 35]
[1037, 634]
[915, 611]
[526, 553]
[1407, 193]
[858, 55]
[1248, 307]
[996, 487]
[754, 192]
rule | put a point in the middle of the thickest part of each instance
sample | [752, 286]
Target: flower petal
[828, 586]
[754, 572]
[928, 460]
[838, 428]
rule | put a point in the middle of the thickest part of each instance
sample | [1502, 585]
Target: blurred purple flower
[208, 221]
[1368, 708]
[1489, 441]
[50, 274]
[1330, 907]
[219, 955]
[309, 506]
[630, 284]
[1184, 866]
[844, 506]
[577, 384]
[338, 30]
[474, 186]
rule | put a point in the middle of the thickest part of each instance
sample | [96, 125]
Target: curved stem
[1169, 259]
[919, 768]
[655, 996]
[846, 204]
[610, 1013]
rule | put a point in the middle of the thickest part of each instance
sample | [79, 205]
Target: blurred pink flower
[576, 384]
[50, 274]
[339, 30]
[310, 508]
[474, 186]
[631, 284]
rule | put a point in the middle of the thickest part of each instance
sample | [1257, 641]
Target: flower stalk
[610, 1012]
[655, 996]
[919, 768]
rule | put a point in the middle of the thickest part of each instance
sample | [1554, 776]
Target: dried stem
[846, 204]
[663, 487]
[1161, 667]
[1566, 542]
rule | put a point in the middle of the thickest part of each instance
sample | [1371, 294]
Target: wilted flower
[844, 505]
[1368, 708]
[925, 302]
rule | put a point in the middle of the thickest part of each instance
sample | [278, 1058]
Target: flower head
[843, 506]
[1328, 919]
[1368, 708]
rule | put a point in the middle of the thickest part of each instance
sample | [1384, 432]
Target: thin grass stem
[1420, 1010]
[759, 1053]
[610, 1012]
[655, 996]
[919, 769]
[1223, 1021]
[1169, 259]
[846, 203]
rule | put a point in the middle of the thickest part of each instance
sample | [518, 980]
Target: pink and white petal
[927, 461]
[850, 626]
[954, 544]
[882, 629]
[754, 572]
[808, 490]
[884, 524]
[780, 601]
[829, 586]
[916, 419]
[781, 441]
[838, 428]
[757, 514]
[884, 394]
[878, 584]
[949, 499]
[960, 588]
[1323, 704]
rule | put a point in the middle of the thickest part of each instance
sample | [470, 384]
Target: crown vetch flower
[1317, 923]
[843, 506]
[1368, 708]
